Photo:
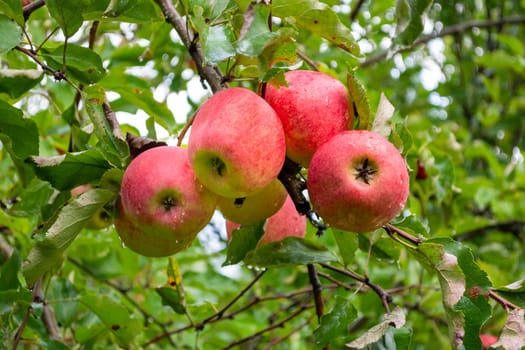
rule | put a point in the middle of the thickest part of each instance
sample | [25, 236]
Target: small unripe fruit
[358, 181]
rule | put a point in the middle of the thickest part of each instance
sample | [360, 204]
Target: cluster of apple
[356, 179]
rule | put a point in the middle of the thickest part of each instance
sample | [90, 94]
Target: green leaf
[335, 323]
[10, 34]
[173, 294]
[14, 299]
[67, 171]
[289, 251]
[13, 9]
[16, 82]
[135, 11]
[348, 243]
[396, 319]
[67, 14]
[116, 318]
[23, 133]
[409, 14]
[172, 298]
[9, 272]
[476, 312]
[47, 251]
[513, 333]
[111, 142]
[318, 18]
[31, 201]
[444, 181]
[62, 289]
[358, 101]
[255, 33]
[243, 240]
[216, 40]
[83, 64]
[514, 292]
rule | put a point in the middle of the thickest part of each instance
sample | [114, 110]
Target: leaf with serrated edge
[47, 252]
[513, 334]
[335, 323]
[358, 100]
[396, 318]
[289, 251]
[384, 114]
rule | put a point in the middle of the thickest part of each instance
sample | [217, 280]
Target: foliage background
[453, 72]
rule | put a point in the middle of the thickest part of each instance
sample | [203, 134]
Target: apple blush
[162, 204]
[313, 108]
[358, 181]
[236, 145]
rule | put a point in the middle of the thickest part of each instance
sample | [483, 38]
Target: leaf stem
[385, 297]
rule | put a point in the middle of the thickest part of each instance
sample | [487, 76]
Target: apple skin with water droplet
[358, 181]
[313, 108]
[236, 145]
[162, 206]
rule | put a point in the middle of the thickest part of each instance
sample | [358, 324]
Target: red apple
[487, 340]
[313, 108]
[236, 146]
[286, 222]
[162, 204]
[255, 208]
[358, 181]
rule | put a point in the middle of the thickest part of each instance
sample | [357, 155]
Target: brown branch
[218, 315]
[210, 73]
[279, 340]
[514, 227]
[112, 120]
[6, 250]
[391, 230]
[231, 315]
[58, 75]
[452, 30]
[355, 10]
[385, 297]
[502, 301]
[32, 7]
[317, 290]
[124, 292]
[271, 327]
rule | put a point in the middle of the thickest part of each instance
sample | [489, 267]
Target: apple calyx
[365, 171]
[218, 166]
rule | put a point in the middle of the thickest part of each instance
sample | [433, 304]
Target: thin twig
[355, 10]
[317, 289]
[279, 340]
[391, 229]
[502, 301]
[147, 316]
[454, 29]
[514, 227]
[30, 8]
[269, 328]
[220, 313]
[386, 298]
[210, 73]
[58, 75]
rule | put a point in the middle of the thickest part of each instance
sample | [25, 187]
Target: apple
[101, 219]
[284, 223]
[487, 340]
[162, 204]
[358, 181]
[236, 145]
[313, 108]
[256, 207]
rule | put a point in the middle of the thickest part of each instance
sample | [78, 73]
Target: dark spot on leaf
[115, 327]
[316, 21]
[173, 284]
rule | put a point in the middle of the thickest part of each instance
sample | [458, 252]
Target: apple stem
[316, 222]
